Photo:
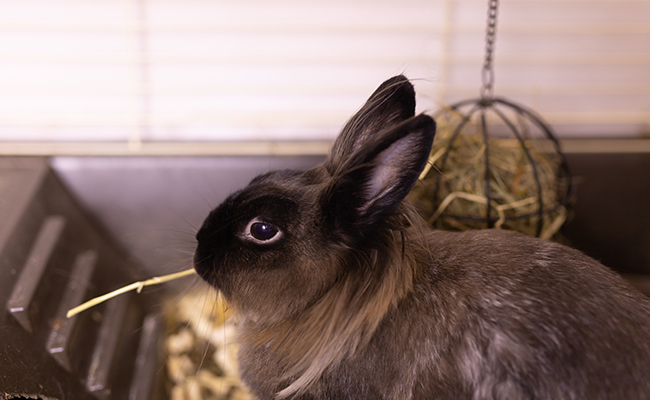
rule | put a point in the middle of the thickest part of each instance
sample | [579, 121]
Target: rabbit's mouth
[204, 264]
[211, 268]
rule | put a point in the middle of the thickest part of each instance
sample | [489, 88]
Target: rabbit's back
[501, 315]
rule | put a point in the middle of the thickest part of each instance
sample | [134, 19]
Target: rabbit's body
[343, 294]
[507, 328]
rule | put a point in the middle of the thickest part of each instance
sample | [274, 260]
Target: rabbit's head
[280, 244]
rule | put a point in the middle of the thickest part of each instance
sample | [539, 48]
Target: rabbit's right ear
[370, 184]
[392, 103]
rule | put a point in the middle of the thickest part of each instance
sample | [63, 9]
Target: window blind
[288, 70]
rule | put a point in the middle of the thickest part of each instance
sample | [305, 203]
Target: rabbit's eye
[263, 231]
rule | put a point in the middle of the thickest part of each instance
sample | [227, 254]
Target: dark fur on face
[342, 292]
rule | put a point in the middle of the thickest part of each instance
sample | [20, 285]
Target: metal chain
[487, 74]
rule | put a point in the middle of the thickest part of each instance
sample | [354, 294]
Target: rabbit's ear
[392, 103]
[374, 180]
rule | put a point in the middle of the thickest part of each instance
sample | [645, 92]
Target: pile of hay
[461, 201]
[201, 350]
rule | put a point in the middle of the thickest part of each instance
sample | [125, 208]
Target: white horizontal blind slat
[295, 70]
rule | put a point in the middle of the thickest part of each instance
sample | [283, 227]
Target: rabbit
[342, 292]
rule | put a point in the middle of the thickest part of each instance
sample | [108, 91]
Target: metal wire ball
[537, 193]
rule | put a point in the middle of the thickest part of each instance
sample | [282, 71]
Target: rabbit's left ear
[392, 103]
[375, 179]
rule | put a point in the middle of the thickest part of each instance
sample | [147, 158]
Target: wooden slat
[21, 304]
[99, 373]
[60, 339]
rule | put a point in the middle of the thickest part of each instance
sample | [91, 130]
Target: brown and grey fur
[356, 299]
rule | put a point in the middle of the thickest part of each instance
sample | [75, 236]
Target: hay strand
[137, 286]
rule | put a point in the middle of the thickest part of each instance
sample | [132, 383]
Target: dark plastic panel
[53, 256]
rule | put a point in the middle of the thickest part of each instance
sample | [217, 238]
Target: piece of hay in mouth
[137, 286]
